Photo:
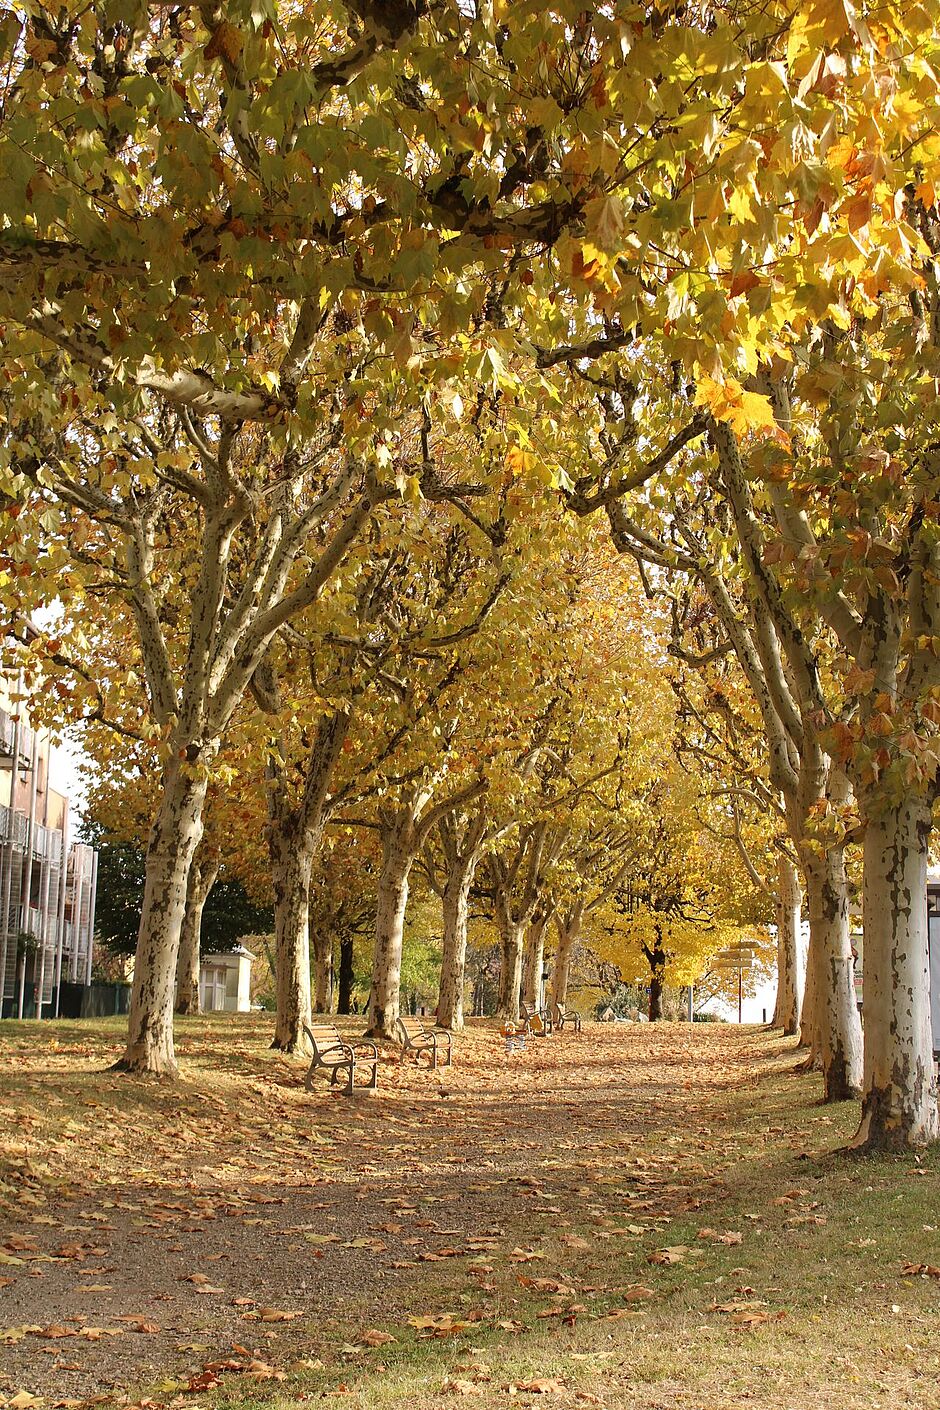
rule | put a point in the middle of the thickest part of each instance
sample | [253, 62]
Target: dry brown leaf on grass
[749, 1314]
[461, 1387]
[637, 1293]
[524, 1255]
[756, 1319]
[668, 1256]
[376, 1338]
[550, 1385]
[923, 1270]
[446, 1325]
[251, 1367]
[729, 1237]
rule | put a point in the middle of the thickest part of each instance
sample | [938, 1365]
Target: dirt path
[147, 1228]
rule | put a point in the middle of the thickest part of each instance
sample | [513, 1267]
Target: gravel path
[148, 1228]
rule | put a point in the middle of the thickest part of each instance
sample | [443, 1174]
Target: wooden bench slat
[334, 1055]
[418, 1037]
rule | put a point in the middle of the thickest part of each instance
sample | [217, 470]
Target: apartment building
[47, 883]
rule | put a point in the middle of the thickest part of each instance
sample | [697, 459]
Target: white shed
[225, 981]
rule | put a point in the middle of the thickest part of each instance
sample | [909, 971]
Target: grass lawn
[645, 1216]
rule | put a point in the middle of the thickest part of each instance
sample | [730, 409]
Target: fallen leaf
[376, 1338]
[668, 1255]
[637, 1293]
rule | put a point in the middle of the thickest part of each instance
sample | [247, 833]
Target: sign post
[740, 956]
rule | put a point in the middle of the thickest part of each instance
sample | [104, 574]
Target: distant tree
[228, 914]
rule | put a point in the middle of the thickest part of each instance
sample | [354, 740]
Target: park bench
[418, 1037]
[559, 1018]
[537, 1021]
[332, 1055]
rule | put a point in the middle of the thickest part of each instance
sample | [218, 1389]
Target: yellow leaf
[757, 411]
[604, 219]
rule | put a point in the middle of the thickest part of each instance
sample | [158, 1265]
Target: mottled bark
[405, 829]
[295, 831]
[533, 959]
[837, 1028]
[175, 835]
[511, 934]
[516, 883]
[899, 1104]
[809, 1022]
[291, 862]
[461, 841]
[789, 1002]
[385, 997]
[455, 907]
[568, 928]
[202, 875]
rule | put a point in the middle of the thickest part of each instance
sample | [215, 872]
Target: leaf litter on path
[298, 1203]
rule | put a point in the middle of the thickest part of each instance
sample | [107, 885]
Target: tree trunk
[188, 962]
[533, 961]
[322, 945]
[291, 862]
[384, 998]
[656, 958]
[789, 977]
[455, 905]
[345, 977]
[202, 877]
[295, 830]
[175, 835]
[837, 1026]
[809, 1025]
[899, 1107]
[568, 931]
[656, 992]
[510, 968]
